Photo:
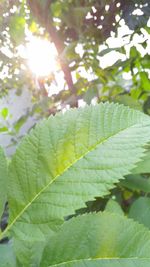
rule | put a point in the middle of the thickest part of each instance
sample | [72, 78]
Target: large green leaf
[97, 236]
[69, 159]
[3, 180]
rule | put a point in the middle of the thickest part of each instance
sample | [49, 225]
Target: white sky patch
[137, 41]
[21, 51]
[102, 47]
[79, 50]
[6, 51]
[87, 74]
[138, 12]
[116, 42]
[141, 49]
[122, 38]
[89, 16]
[110, 59]
[81, 103]
[123, 30]
[94, 101]
[58, 85]
[138, 38]
[127, 75]
[4, 72]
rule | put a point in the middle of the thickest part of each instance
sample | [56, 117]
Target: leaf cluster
[66, 161]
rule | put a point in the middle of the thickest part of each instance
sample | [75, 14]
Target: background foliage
[84, 33]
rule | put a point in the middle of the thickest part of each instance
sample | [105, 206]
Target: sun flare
[41, 57]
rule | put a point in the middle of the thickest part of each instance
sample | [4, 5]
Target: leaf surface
[97, 236]
[3, 181]
[144, 165]
[136, 182]
[7, 257]
[107, 263]
[70, 159]
[28, 253]
[113, 207]
[140, 211]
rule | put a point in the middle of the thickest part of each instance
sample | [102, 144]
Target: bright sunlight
[41, 56]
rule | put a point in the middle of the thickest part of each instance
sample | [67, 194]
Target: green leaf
[7, 257]
[144, 165]
[97, 236]
[68, 160]
[28, 253]
[113, 207]
[107, 50]
[20, 123]
[128, 101]
[140, 211]
[145, 81]
[79, 13]
[3, 181]
[89, 95]
[136, 183]
[3, 129]
[5, 113]
[17, 28]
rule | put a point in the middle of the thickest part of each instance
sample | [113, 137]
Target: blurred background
[57, 54]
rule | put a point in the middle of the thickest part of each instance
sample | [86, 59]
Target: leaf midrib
[53, 180]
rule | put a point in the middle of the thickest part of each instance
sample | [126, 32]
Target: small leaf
[113, 207]
[20, 123]
[145, 81]
[3, 129]
[136, 183]
[140, 211]
[107, 50]
[5, 113]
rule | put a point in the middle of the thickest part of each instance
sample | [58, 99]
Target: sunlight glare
[41, 57]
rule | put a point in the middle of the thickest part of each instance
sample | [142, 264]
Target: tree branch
[43, 16]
